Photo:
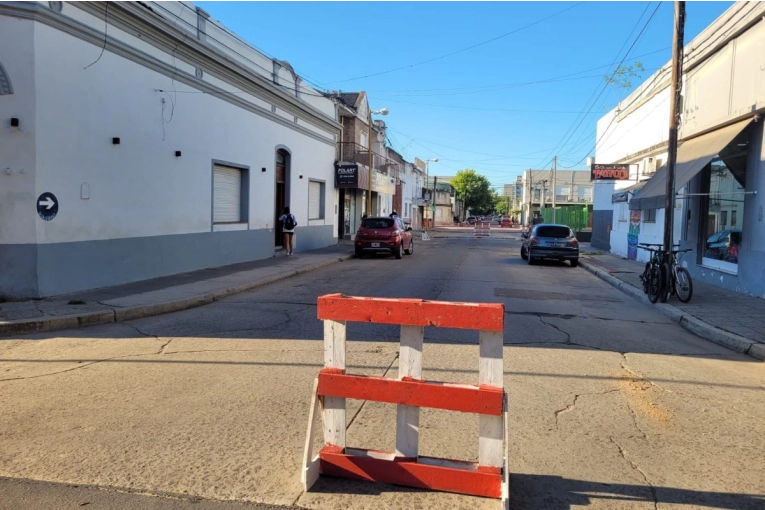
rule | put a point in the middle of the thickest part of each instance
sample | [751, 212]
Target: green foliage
[474, 191]
[622, 77]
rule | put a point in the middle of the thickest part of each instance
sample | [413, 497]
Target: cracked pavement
[611, 404]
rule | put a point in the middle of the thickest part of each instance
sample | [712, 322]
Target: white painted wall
[139, 188]
[17, 146]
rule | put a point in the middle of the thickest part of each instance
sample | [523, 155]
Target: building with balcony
[359, 144]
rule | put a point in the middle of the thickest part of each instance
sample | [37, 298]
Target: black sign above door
[347, 176]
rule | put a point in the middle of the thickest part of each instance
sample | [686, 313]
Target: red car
[384, 235]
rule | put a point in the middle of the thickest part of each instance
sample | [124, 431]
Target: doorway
[282, 163]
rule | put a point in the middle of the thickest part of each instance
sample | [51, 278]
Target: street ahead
[611, 404]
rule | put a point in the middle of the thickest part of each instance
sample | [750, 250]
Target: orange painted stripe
[435, 395]
[412, 312]
[410, 474]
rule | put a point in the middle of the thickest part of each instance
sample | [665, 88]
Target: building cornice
[137, 20]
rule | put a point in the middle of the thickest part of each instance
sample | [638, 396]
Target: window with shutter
[315, 202]
[227, 195]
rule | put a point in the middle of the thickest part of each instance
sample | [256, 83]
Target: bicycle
[653, 275]
[678, 281]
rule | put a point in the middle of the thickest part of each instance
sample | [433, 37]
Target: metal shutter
[314, 200]
[227, 195]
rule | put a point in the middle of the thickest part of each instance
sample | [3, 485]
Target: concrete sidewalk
[159, 295]
[734, 320]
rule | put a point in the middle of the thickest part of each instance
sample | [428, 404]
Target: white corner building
[139, 140]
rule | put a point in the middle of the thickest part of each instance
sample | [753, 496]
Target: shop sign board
[609, 172]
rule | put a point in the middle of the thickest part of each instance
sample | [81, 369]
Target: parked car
[472, 219]
[550, 241]
[718, 245]
[384, 235]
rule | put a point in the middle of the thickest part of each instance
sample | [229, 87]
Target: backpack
[289, 222]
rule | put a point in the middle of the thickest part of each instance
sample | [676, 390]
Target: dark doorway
[282, 163]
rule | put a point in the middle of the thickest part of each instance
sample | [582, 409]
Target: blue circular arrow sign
[47, 206]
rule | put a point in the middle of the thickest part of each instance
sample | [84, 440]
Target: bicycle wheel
[666, 282]
[654, 283]
[644, 276]
[683, 285]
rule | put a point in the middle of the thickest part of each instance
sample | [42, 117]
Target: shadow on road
[535, 492]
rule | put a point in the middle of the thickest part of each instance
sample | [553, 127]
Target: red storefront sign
[610, 172]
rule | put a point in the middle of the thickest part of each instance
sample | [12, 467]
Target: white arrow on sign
[47, 202]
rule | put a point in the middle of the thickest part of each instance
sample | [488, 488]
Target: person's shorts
[288, 233]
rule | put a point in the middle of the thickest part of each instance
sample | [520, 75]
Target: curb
[690, 323]
[27, 326]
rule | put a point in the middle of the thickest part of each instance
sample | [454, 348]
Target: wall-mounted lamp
[177, 154]
[115, 141]
[263, 169]
[14, 122]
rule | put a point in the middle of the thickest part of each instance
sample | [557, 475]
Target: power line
[463, 49]
[645, 26]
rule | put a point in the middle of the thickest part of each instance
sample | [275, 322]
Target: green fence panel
[575, 217]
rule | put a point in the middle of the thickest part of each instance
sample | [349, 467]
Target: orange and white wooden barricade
[482, 229]
[489, 476]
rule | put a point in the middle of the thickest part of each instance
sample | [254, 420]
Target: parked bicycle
[653, 277]
[679, 280]
[662, 278]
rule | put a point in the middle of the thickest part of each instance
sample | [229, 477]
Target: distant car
[550, 241]
[384, 235]
[472, 219]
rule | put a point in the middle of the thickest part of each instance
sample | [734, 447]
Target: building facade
[145, 139]
[717, 210]
[353, 164]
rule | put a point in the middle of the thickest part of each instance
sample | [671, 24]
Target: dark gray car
[550, 241]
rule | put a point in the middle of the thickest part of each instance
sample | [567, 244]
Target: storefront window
[726, 181]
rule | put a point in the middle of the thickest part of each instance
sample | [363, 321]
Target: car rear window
[377, 223]
[553, 232]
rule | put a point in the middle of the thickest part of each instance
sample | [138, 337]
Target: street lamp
[381, 111]
[427, 186]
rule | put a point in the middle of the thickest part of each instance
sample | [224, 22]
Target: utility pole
[435, 206]
[554, 172]
[674, 116]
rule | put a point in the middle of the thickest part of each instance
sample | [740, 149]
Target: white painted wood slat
[409, 365]
[490, 372]
[334, 357]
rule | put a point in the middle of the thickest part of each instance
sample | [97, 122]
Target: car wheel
[358, 253]
[523, 253]
[574, 262]
[399, 253]
[411, 248]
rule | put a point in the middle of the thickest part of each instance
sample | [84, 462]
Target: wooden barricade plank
[412, 312]
[410, 367]
[490, 373]
[334, 406]
[435, 395]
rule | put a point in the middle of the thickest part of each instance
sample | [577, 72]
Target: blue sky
[462, 87]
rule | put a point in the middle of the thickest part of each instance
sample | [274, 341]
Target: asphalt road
[611, 404]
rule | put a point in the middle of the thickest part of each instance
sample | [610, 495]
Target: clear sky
[471, 83]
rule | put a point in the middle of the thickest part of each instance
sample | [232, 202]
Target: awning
[692, 156]
[623, 194]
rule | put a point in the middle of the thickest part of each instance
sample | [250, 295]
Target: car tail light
[534, 240]
[574, 243]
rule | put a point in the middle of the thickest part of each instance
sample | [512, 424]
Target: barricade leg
[334, 358]
[408, 417]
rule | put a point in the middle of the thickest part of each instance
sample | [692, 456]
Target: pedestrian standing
[288, 228]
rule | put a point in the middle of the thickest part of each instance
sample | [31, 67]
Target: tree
[501, 204]
[474, 191]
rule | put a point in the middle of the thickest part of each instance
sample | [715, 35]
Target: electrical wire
[559, 146]
[106, 28]
[462, 50]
